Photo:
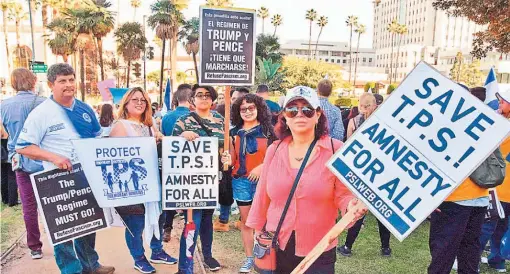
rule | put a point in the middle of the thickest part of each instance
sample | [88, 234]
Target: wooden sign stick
[327, 240]
[226, 142]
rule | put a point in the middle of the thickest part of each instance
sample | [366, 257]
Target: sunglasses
[292, 112]
[250, 108]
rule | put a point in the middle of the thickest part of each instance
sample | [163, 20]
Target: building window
[364, 60]
[344, 61]
[338, 61]
[370, 60]
[327, 60]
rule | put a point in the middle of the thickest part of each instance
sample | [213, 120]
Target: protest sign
[190, 173]
[117, 94]
[121, 171]
[67, 205]
[104, 89]
[417, 147]
[227, 46]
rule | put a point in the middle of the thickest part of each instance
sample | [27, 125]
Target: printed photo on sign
[190, 173]
[227, 46]
[122, 171]
[417, 147]
[67, 204]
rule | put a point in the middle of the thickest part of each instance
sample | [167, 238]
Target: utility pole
[31, 29]
[144, 58]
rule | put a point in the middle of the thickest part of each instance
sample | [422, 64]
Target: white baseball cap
[505, 95]
[301, 92]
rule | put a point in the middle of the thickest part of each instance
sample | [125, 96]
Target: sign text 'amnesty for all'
[67, 204]
[417, 147]
[190, 173]
[227, 46]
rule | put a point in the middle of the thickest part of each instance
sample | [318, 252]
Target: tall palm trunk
[398, 55]
[310, 42]
[100, 49]
[82, 74]
[196, 66]
[274, 33]
[6, 37]
[356, 61]
[173, 71]
[162, 70]
[44, 12]
[350, 57]
[391, 58]
[65, 57]
[317, 43]
[263, 24]
[128, 72]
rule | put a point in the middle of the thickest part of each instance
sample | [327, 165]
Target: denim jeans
[85, 259]
[204, 226]
[495, 230]
[136, 223]
[224, 214]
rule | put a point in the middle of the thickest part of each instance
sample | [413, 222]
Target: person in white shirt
[46, 137]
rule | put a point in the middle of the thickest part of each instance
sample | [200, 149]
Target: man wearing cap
[334, 115]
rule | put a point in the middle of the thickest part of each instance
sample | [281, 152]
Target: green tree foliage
[371, 85]
[269, 73]
[309, 73]
[391, 88]
[130, 43]
[268, 47]
[456, 68]
[495, 14]
[153, 77]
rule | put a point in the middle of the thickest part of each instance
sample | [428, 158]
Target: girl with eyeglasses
[135, 120]
[189, 127]
[319, 195]
[252, 134]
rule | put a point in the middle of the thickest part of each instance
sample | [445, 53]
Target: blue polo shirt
[169, 120]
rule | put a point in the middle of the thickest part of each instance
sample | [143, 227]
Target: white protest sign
[121, 171]
[190, 173]
[417, 147]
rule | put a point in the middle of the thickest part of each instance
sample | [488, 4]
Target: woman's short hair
[23, 79]
[212, 91]
[282, 130]
[147, 114]
[367, 96]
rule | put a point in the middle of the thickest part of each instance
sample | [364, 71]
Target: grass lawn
[410, 256]
[11, 225]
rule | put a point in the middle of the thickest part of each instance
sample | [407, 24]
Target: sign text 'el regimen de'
[417, 147]
[227, 46]
[190, 173]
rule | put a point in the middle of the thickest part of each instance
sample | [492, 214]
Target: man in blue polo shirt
[263, 91]
[46, 136]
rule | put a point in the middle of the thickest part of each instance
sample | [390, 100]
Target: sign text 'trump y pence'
[417, 147]
[227, 46]
[190, 173]
[67, 204]
[121, 171]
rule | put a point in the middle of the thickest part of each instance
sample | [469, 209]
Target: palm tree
[189, 38]
[392, 28]
[130, 43]
[18, 15]
[277, 20]
[352, 21]
[263, 13]
[401, 31]
[6, 6]
[135, 4]
[63, 42]
[322, 22]
[103, 22]
[360, 29]
[268, 47]
[311, 15]
[219, 3]
[165, 20]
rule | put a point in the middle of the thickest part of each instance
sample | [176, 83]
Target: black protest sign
[227, 46]
[67, 204]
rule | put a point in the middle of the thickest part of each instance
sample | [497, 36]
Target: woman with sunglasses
[135, 120]
[252, 133]
[302, 129]
[367, 106]
[189, 126]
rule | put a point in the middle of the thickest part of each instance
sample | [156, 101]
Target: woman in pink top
[319, 194]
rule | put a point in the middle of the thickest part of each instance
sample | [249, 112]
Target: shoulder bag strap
[201, 123]
[291, 194]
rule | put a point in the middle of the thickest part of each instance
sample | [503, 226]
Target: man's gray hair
[62, 69]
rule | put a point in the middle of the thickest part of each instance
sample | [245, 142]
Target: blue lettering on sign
[370, 196]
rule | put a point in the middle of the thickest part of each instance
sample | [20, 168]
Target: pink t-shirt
[314, 207]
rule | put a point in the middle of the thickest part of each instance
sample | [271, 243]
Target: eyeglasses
[250, 109]
[366, 106]
[140, 101]
[292, 112]
[203, 96]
